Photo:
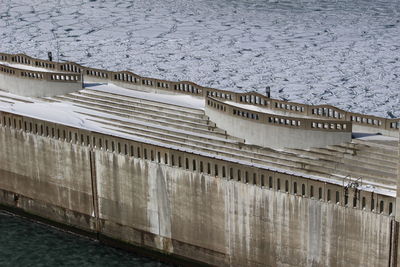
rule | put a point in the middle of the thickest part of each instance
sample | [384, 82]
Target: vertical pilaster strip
[395, 223]
[93, 178]
[394, 229]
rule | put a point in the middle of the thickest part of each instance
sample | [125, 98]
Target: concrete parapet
[270, 130]
[36, 83]
[360, 122]
[364, 123]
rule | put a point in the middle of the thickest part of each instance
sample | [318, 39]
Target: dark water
[26, 243]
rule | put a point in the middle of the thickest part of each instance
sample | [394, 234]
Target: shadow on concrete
[92, 84]
[360, 135]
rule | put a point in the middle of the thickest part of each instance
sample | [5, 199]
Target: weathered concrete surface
[217, 221]
[238, 224]
[165, 201]
[37, 88]
[374, 130]
[48, 171]
[266, 135]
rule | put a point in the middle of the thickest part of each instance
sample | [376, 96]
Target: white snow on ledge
[373, 137]
[178, 100]
[28, 67]
[267, 110]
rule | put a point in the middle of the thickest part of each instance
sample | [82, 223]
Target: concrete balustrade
[360, 122]
[36, 83]
[276, 131]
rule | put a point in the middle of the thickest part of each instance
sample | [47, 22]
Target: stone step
[157, 131]
[358, 152]
[144, 105]
[373, 153]
[91, 111]
[139, 109]
[322, 156]
[10, 99]
[312, 166]
[378, 148]
[340, 165]
[344, 149]
[7, 101]
[370, 154]
[154, 118]
[293, 167]
[145, 101]
[353, 155]
[217, 145]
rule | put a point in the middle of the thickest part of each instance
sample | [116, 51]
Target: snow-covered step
[142, 99]
[344, 149]
[11, 99]
[128, 117]
[136, 114]
[355, 156]
[168, 137]
[217, 145]
[366, 151]
[138, 109]
[164, 131]
[383, 148]
[355, 167]
[322, 156]
[141, 107]
[143, 102]
[274, 162]
[365, 171]
[311, 154]
[359, 157]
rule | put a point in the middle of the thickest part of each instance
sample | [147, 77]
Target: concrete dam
[200, 175]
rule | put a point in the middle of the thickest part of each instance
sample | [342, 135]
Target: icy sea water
[25, 243]
[340, 52]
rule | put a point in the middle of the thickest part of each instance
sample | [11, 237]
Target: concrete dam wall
[198, 216]
[194, 174]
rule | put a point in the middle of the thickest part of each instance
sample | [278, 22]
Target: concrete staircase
[175, 125]
[374, 163]
[189, 128]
